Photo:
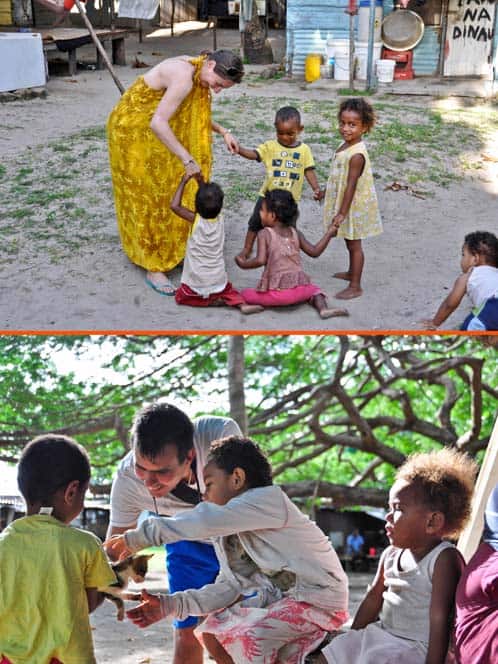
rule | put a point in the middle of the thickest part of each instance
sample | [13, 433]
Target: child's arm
[447, 572]
[180, 605]
[261, 255]
[94, 598]
[449, 305]
[315, 250]
[176, 204]
[371, 604]
[356, 166]
[248, 153]
[310, 175]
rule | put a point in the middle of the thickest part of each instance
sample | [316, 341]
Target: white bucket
[337, 47]
[361, 52]
[385, 70]
[341, 67]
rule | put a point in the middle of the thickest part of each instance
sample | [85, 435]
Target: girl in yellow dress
[161, 128]
[350, 200]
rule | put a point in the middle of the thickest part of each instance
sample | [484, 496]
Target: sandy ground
[79, 279]
[125, 643]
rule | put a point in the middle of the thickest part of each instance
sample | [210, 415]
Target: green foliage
[46, 385]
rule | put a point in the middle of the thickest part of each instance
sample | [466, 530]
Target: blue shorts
[190, 565]
[486, 319]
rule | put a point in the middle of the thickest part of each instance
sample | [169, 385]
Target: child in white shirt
[281, 586]
[479, 280]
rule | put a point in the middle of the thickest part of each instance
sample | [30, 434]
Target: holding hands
[338, 219]
[231, 142]
[192, 168]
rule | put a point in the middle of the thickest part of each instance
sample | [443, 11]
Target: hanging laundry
[145, 9]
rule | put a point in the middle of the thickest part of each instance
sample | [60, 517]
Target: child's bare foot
[349, 293]
[342, 275]
[330, 313]
[251, 308]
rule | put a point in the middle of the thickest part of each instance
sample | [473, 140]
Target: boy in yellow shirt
[50, 571]
[288, 162]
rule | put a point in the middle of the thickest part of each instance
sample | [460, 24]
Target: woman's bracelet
[224, 133]
[189, 161]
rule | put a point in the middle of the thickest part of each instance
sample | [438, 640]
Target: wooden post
[99, 46]
[486, 481]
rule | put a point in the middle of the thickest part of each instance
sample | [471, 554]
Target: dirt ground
[61, 263]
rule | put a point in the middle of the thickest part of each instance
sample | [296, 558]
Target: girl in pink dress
[284, 281]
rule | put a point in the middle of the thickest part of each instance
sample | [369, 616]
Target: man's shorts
[190, 565]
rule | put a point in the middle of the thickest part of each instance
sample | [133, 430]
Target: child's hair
[360, 106]
[49, 463]
[485, 244]
[283, 206]
[445, 481]
[159, 425]
[287, 113]
[228, 65]
[237, 452]
[209, 200]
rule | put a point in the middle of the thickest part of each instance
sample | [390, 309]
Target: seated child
[204, 280]
[50, 571]
[284, 281]
[281, 584]
[476, 631]
[287, 162]
[479, 281]
[406, 614]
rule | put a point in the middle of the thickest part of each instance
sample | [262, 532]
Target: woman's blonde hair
[445, 480]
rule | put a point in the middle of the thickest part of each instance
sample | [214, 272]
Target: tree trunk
[257, 49]
[236, 381]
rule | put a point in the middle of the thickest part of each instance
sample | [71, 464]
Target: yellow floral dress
[363, 219]
[145, 174]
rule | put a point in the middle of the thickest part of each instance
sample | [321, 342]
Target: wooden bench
[70, 39]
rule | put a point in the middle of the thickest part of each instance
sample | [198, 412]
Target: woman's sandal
[162, 289]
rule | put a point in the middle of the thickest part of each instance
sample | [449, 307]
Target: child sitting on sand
[284, 281]
[479, 280]
[406, 614]
[204, 280]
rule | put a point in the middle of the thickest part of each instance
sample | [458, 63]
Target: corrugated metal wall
[311, 22]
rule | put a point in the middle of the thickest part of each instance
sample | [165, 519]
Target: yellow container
[312, 67]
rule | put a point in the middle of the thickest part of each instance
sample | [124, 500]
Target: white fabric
[145, 9]
[204, 266]
[482, 284]
[276, 535]
[373, 645]
[407, 598]
[129, 495]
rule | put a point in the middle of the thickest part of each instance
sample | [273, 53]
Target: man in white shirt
[162, 474]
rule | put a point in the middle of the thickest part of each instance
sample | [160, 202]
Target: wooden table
[69, 39]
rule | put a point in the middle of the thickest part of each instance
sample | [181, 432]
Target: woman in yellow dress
[160, 129]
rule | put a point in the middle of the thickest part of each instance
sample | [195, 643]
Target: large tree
[336, 414]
